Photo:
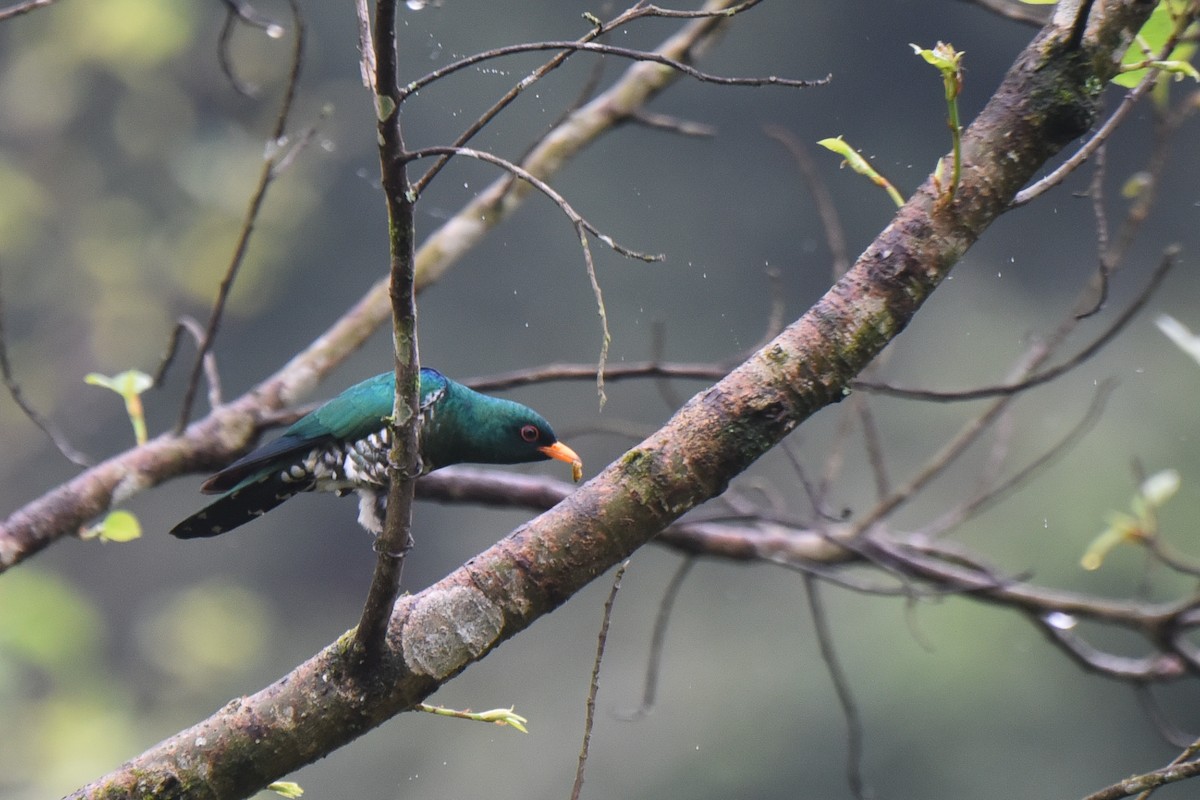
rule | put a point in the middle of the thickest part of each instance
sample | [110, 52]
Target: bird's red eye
[530, 433]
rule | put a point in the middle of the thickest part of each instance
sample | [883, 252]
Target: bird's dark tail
[238, 507]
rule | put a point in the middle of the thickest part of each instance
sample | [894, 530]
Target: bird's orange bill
[561, 452]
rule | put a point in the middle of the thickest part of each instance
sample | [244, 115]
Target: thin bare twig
[814, 492]
[606, 49]
[47, 427]
[211, 374]
[225, 60]
[574, 372]
[366, 45]
[1153, 710]
[841, 685]
[658, 639]
[491, 113]
[598, 295]
[265, 178]
[22, 8]
[648, 10]
[831, 221]
[1155, 666]
[775, 317]
[1016, 11]
[1169, 257]
[290, 150]
[240, 11]
[1104, 268]
[836, 576]
[247, 14]
[658, 346]
[934, 466]
[672, 124]
[1088, 148]
[976, 505]
[594, 684]
[873, 444]
[835, 455]
[576, 218]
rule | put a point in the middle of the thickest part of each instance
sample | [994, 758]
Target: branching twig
[505, 101]
[396, 539]
[582, 228]
[1105, 131]
[714, 11]
[664, 387]
[947, 568]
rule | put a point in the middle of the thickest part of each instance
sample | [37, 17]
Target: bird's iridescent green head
[464, 426]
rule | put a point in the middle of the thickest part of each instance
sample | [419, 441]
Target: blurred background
[127, 160]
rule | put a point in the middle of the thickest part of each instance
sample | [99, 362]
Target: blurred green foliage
[179, 637]
[69, 714]
[65, 714]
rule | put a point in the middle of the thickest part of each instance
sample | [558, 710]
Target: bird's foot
[401, 553]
